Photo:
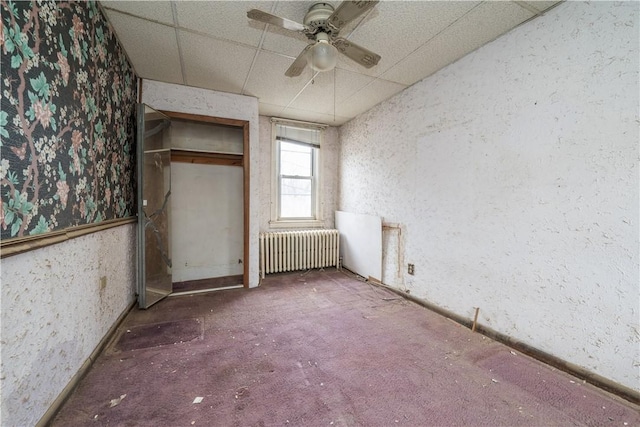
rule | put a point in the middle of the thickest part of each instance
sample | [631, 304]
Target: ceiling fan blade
[349, 10]
[359, 54]
[298, 65]
[278, 21]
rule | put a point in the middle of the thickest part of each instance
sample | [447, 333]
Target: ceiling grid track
[247, 48]
[301, 90]
[174, 11]
[195, 32]
[528, 7]
[259, 48]
[379, 77]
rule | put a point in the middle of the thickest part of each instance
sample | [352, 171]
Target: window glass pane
[296, 207]
[295, 159]
[295, 198]
[296, 186]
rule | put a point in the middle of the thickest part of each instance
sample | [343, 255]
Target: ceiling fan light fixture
[323, 55]
[322, 25]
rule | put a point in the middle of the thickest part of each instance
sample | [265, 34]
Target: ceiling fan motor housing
[316, 21]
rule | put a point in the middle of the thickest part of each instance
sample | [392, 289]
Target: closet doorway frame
[223, 159]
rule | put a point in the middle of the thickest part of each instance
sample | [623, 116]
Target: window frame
[313, 178]
[316, 221]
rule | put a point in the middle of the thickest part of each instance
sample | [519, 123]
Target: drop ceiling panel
[270, 109]
[155, 11]
[214, 64]
[349, 82]
[222, 19]
[294, 114]
[268, 83]
[311, 116]
[394, 29]
[152, 48]
[483, 24]
[319, 96]
[369, 96]
[284, 42]
[219, 43]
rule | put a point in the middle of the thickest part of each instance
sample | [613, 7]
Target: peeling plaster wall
[185, 99]
[514, 176]
[55, 312]
[329, 174]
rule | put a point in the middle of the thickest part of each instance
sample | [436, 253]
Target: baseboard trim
[55, 407]
[599, 381]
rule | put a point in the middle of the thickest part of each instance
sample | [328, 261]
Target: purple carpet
[157, 334]
[322, 349]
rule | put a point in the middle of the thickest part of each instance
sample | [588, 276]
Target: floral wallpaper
[67, 122]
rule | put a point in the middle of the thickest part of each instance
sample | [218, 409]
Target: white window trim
[318, 177]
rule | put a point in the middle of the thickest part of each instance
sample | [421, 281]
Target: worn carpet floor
[321, 349]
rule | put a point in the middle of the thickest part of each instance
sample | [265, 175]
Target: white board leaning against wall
[361, 243]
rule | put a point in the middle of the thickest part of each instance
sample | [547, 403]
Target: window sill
[296, 224]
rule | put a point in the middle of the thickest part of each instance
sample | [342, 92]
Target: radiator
[298, 250]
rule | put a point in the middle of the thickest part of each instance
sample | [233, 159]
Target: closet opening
[210, 202]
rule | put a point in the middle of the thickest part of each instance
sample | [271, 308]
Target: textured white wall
[208, 245]
[329, 174]
[185, 99]
[514, 176]
[205, 137]
[55, 312]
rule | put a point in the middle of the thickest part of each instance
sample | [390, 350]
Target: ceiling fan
[322, 24]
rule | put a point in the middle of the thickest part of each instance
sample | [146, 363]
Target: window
[296, 191]
[297, 178]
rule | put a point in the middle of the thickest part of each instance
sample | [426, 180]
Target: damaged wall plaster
[515, 174]
[55, 312]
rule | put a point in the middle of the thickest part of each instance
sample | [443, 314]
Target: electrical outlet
[411, 269]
